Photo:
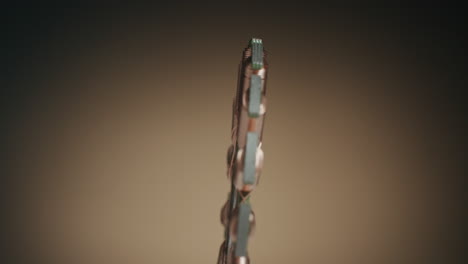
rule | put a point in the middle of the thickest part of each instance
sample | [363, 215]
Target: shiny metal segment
[238, 170]
[234, 223]
[255, 95]
[250, 158]
[243, 226]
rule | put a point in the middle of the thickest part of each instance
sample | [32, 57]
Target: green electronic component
[257, 53]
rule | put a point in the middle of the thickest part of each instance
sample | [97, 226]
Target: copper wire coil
[247, 53]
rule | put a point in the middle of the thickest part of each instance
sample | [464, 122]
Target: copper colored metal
[243, 224]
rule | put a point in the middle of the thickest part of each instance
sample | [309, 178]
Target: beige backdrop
[123, 150]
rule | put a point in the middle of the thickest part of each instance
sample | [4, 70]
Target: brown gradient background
[116, 123]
